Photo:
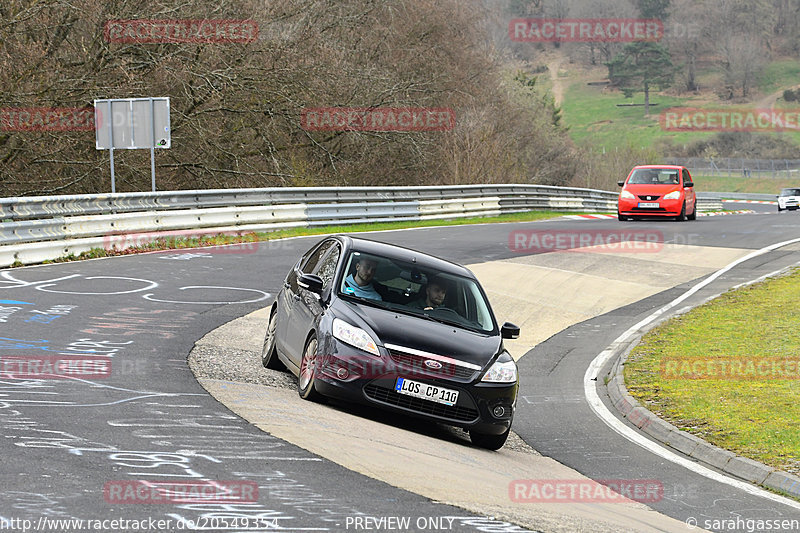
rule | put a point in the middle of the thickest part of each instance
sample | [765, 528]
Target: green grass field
[592, 114]
[779, 75]
[743, 185]
[752, 413]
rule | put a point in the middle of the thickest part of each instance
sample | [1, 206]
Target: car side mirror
[310, 282]
[688, 184]
[621, 183]
[509, 331]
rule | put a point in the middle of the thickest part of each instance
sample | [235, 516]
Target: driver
[435, 293]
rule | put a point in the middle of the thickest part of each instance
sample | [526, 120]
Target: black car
[391, 327]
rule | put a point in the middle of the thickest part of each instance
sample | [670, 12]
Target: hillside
[243, 77]
[603, 117]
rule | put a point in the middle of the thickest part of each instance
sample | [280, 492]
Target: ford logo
[430, 363]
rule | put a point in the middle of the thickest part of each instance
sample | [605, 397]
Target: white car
[789, 199]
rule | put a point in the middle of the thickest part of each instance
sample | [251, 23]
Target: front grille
[416, 365]
[389, 396]
[648, 209]
[648, 197]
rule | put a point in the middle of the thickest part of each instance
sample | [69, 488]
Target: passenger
[361, 284]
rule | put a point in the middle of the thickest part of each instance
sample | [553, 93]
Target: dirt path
[768, 102]
[554, 67]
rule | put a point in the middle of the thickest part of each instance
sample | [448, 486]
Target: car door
[305, 305]
[689, 191]
[285, 301]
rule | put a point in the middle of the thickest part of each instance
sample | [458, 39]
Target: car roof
[671, 167]
[405, 254]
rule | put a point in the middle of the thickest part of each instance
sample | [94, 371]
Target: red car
[657, 191]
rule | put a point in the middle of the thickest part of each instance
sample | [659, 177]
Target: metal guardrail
[35, 229]
[37, 207]
[738, 167]
[739, 196]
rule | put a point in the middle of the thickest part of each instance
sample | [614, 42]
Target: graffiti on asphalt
[115, 285]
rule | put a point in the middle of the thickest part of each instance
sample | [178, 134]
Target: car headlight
[627, 195]
[501, 372]
[354, 336]
[674, 195]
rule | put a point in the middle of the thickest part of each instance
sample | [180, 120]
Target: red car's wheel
[682, 216]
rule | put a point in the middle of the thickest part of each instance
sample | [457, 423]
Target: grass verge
[728, 372]
[176, 242]
[744, 185]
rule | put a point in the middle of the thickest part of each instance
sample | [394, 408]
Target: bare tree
[236, 106]
[743, 60]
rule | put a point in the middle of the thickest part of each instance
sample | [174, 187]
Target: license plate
[648, 204]
[426, 392]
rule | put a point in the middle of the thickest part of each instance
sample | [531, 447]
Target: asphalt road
[131, 410]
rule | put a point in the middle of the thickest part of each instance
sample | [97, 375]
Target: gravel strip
[211, 361]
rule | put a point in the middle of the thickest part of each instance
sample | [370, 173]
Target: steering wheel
[446, 311]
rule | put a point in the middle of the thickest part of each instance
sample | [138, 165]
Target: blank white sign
[132, 123]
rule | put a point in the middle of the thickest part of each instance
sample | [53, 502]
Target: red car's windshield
[655, 176]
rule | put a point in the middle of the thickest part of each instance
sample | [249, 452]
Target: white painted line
[599, 408]
[767, 202]
[595, 216]
[721, 213]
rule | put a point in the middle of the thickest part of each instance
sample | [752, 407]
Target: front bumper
[666, 208]
[351, 375]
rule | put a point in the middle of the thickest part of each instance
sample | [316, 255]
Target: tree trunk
[646, 99]
[691, 83]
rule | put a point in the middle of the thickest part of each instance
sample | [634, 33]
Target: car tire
[779, 209]
[621, 217]
[489, 442]
[306, 379]
[682, 216]
[269, 353]
[693, 216]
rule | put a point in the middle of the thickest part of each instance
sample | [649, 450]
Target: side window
[327, 267]
[311, 264]
[686, 176]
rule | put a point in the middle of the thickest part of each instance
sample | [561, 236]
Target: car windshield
[790, 192]
[407, 288]
[655, 176]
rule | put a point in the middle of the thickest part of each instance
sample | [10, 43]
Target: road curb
[686, 443]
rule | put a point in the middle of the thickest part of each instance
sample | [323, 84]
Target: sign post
[132, 123]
